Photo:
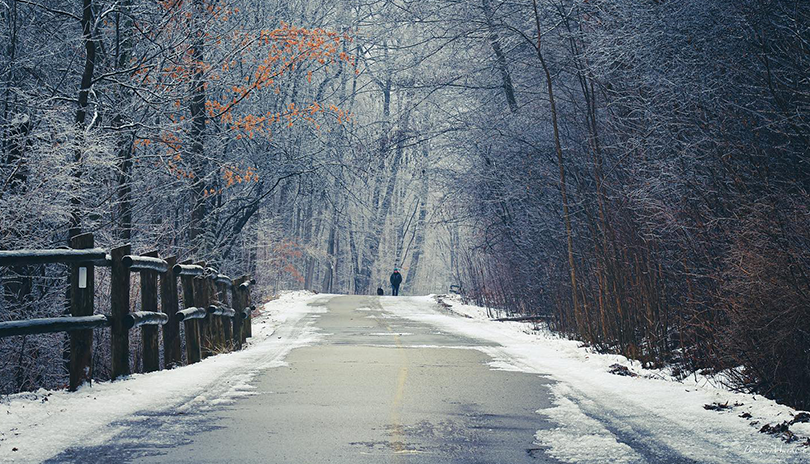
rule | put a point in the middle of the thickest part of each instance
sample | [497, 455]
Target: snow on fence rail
[53, 324]
[211, 324]
[191, 313]
[96, 256]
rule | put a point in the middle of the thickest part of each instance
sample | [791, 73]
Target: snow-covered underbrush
[767, 416]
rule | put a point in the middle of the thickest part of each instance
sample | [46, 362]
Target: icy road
[346, 379]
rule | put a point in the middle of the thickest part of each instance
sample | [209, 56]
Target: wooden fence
[216, 318]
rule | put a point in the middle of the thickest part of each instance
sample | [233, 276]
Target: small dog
[380, 291]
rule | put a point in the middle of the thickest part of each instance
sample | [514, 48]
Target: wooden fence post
[236, 302]
[191, 327]
[200, 285]
[213, 321]
[248, 330]
[172, 357]
[217, 330]
[119, 307]
[227, 324]
[242, 301]
[82, 293]
[149, 333]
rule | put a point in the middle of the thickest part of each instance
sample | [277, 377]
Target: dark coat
[396, 279]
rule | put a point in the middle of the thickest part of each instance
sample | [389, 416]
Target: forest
[634, 171]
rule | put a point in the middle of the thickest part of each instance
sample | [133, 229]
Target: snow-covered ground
[38, 425]
[597, 412]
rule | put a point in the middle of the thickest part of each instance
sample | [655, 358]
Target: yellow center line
[397, 431]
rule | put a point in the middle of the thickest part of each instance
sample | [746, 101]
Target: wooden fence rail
[53, 324]
[96, 256]
[145, 263]
[141, 318]
[211, 324]
[187, 270]
[191, 313]
[221, 310]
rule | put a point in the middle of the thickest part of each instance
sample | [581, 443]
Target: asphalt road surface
[375, 389]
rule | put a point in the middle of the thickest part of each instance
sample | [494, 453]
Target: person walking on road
[396, 279]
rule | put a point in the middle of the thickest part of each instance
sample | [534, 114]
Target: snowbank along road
[346, 379]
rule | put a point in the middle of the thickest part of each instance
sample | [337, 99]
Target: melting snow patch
[438, 347]
[500, 365]
[381, 316]
[580, 438]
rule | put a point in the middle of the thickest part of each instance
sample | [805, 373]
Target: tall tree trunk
[10, 78]
[402, 225]
[87, 23]
[500, 58]
[328, 276]
[332, 245]
[314, 233]
[355, 258]
[454, 261]
[199, 198]
[75, 222]
[583, 327]
[419, 233]
[123, 51]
